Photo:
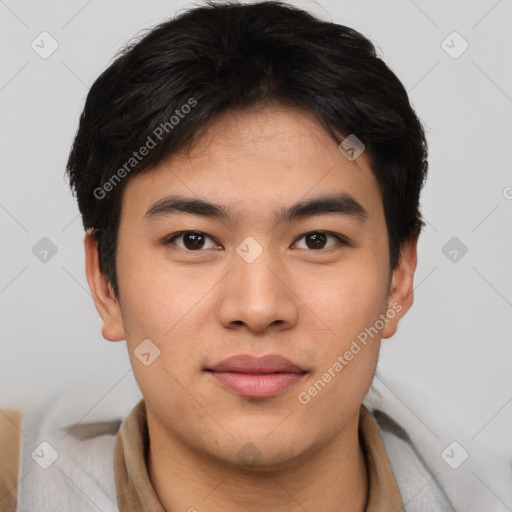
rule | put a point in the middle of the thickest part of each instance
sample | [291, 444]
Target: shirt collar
[135, 492]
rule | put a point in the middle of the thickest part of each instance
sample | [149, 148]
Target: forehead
[254, 160]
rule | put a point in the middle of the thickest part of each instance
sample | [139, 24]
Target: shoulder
[433, 456]
[66, 448]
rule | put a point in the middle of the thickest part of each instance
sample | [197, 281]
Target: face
[256, 280]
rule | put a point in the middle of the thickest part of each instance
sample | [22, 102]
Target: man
[249, 179]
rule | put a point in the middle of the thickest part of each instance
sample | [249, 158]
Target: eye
[316, 240]
[192, 240]
[195, 240]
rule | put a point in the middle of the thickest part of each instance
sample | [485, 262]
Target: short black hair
[169, 84]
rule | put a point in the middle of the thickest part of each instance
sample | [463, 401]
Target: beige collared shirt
[135, 492]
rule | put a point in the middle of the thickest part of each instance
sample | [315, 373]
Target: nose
[258, 295]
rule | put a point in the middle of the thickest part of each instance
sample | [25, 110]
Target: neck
[332, 478]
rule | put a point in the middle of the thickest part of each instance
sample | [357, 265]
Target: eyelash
[341, 240]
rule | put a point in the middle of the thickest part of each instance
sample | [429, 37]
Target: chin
[251, 460]
[259, 453]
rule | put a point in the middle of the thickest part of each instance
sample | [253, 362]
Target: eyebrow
[341, 204]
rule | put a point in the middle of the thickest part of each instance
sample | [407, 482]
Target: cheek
[348, 300]
[349, 348]
[153, 300]
[166, 308]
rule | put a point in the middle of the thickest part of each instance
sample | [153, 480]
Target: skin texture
[201, 306]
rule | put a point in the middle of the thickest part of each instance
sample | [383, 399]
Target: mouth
[256, 377]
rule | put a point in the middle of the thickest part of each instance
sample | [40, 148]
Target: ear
[105, 300]
[401, 293]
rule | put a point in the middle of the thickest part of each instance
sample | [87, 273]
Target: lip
[244, 363]
[256, 377]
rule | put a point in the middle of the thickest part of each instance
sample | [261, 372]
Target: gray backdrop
[449, 361]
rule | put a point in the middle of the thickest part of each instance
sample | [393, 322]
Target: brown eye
[191, 240]
[316, 240]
